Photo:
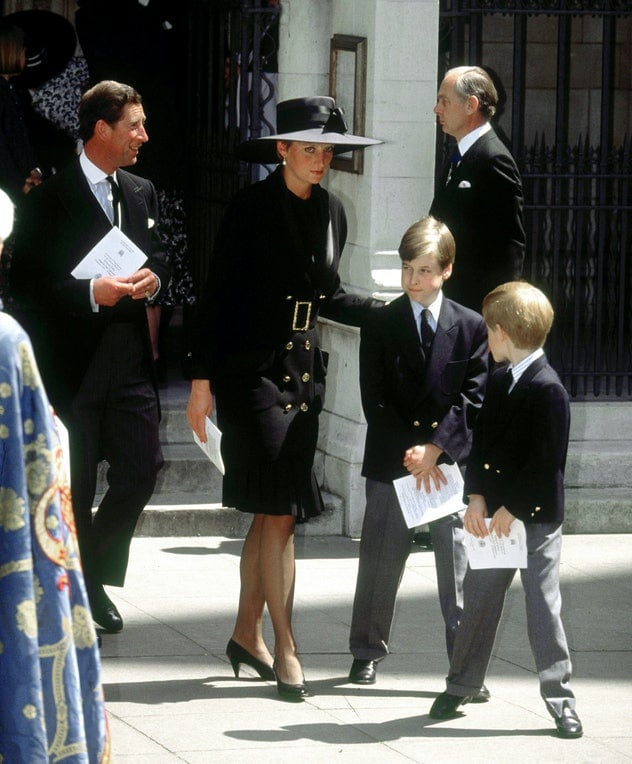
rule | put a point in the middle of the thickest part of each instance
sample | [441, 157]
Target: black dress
[274, 269]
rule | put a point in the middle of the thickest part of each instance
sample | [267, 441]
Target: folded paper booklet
[114, 255]
[212, 446]
[498, 551]
[420, 507]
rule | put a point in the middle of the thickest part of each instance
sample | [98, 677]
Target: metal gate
[231, 64]
[576, 166]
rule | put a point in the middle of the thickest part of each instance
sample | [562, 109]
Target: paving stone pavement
[172, 697]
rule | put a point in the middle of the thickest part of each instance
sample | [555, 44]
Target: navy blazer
[482, 205]
[409, 401]
[60, 221]
[520, 444]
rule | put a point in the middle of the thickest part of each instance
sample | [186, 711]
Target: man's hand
[108, 290]
[475, 514]
[421, 462]
[501, 522]
[199, 407]
[144, 284]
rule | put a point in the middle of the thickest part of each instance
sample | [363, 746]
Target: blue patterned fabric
[51, 701]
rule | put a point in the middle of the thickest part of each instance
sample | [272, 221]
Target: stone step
[187, 500]
[594, 463]
[598, 510]
[186, 514]
[186, 470]
[594, 420]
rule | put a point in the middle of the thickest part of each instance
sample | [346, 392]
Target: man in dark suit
[516, 473]
[480, 198]
[90, 335]
[423, 367]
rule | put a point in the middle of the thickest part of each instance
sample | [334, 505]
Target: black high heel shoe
[292, 692]
[237, 655]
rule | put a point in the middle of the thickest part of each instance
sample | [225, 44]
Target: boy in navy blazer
[516, 471]
[423, 368]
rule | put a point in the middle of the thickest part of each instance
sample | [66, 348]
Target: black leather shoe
[445, 706]
[483, 696]
[292, 692]
[363, 672]
[568, 724]
[423, 539]
[104, 611]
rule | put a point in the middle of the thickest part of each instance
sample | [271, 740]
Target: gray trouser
[484, 597]
[384, 548]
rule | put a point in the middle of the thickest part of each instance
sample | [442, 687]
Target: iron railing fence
[578, 206]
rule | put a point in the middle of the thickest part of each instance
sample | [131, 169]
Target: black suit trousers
[114, 417]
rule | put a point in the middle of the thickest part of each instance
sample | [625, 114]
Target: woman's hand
[200, 406]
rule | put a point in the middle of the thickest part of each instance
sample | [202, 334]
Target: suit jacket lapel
[510, 405]
[404, 333]
[134, 212]
[462, 172]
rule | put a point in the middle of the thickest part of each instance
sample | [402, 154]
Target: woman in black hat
[256, 348]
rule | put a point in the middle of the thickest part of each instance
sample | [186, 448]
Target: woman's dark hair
[107, 101]
[11, 48]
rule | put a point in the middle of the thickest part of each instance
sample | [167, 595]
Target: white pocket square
[151, 222]
[465, 184]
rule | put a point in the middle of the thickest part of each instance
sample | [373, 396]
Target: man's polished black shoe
[482, 696]
[104, 611]
[363, 672]
[445, 706]
[568, 724]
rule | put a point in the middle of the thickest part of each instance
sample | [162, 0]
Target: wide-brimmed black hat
[312, 120]
[50, 42]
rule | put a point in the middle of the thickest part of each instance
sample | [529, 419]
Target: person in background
[273, 271]
[423, 369]
[90, 335]
[51, 699]
[516, 473]
[480, 198]
[31, 147]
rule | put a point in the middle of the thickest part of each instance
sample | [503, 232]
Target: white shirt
[470, 139]
[434, 308]
[519, 369]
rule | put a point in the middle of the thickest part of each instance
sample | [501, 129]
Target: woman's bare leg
[248, 626]
[276, 557]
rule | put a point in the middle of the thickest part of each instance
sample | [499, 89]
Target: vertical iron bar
[518, 86]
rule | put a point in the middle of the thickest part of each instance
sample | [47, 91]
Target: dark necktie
[454, 163]
[427, 333]
[506, 382]
[116, 198]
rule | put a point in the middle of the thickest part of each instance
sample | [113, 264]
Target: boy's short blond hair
[428, 236]
[522, 310]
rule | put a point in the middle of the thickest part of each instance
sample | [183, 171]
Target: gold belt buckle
[298, 305]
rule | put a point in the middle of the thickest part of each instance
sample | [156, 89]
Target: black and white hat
[313, 120]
